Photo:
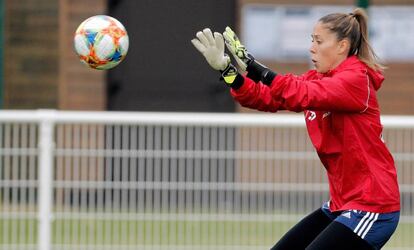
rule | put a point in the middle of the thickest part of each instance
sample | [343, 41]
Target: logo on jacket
[311, 115]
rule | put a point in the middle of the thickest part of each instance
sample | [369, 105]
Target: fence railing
[120, 180]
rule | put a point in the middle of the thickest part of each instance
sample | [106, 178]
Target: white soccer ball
[101, 42]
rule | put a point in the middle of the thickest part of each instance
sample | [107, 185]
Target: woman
[342, 117]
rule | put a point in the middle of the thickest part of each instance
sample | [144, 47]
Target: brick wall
[41, 69]
[397, 91]
[80, 88]
[31, 57]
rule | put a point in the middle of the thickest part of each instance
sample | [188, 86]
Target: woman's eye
[317, 41]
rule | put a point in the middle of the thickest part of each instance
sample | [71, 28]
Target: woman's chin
[319, 70]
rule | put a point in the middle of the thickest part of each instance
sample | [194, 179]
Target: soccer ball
[101, 42]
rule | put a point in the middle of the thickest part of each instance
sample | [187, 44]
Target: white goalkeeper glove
[212, 48]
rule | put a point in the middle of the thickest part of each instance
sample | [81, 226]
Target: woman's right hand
[237, 49]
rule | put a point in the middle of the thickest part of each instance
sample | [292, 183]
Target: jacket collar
[345, 63]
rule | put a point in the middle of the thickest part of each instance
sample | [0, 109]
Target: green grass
[112, 232]
[171, 232]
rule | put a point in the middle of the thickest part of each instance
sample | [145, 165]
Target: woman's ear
[343, 47]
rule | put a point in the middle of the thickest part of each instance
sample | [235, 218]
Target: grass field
[152, 232]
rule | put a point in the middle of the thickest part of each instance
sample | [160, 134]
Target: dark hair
[354, 27]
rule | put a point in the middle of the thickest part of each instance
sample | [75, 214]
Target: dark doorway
[162, 71]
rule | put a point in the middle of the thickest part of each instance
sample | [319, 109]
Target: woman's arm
[255, 96]
[346, 91]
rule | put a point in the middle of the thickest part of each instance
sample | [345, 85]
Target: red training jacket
[343, 121]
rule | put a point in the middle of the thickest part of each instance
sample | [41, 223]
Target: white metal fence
[102, 180]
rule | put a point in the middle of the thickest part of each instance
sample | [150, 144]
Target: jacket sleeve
[256, 96]
[345, 91]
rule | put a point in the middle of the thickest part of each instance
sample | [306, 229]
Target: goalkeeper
[342, 116]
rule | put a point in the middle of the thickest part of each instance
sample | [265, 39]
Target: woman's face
[326, 51]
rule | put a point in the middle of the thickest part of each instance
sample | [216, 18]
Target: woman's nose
[312, 49]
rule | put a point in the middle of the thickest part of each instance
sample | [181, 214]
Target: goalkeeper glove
[212, 48]
[255, 70]
[239, 52]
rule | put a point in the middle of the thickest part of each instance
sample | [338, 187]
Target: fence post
[45, 174]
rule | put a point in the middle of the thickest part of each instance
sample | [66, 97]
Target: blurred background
[180, 165]
[163, 72]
